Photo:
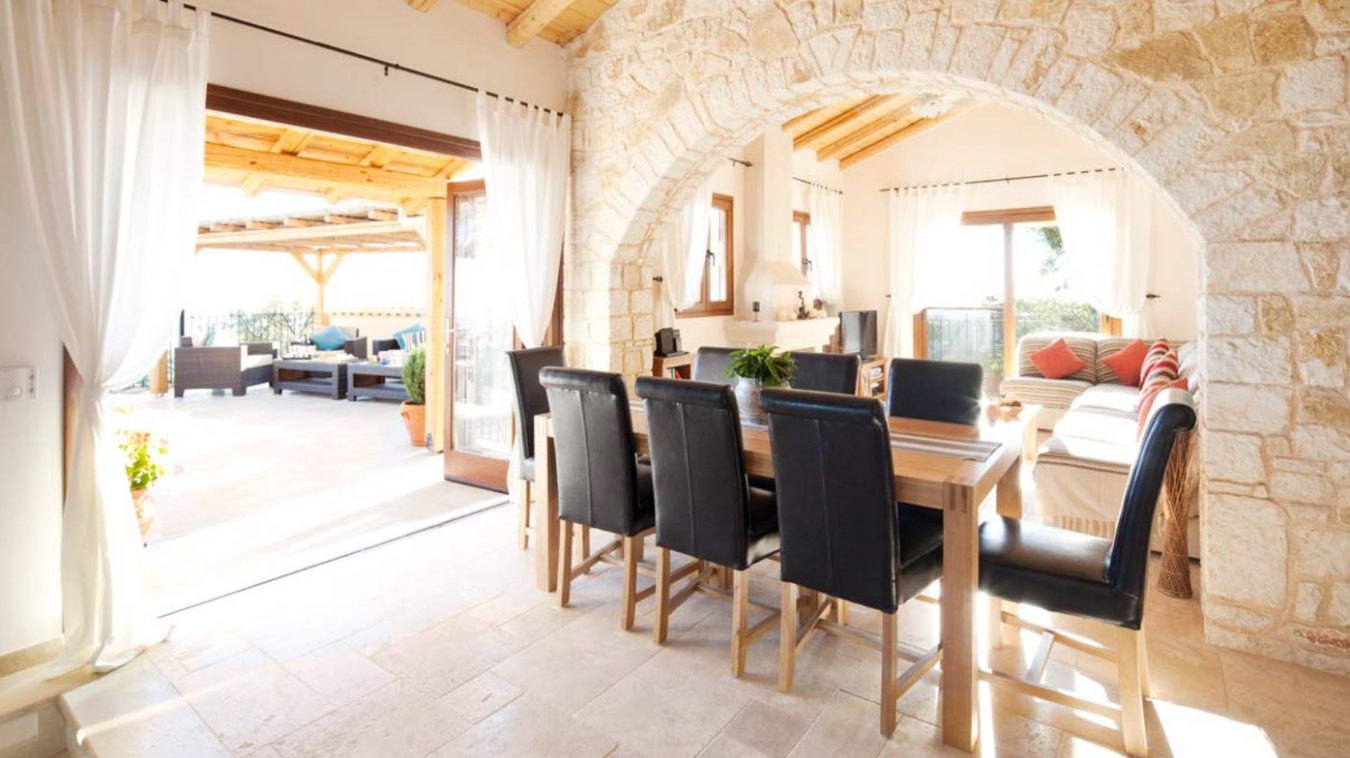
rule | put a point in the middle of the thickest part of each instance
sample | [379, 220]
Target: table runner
[975, 450]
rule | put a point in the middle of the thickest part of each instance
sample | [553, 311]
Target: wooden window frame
[804, 219]
[703, 307]
[1007, 218]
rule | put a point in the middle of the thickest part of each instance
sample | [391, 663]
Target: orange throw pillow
[1146, 402]
[1127, 363]
[1056, 360]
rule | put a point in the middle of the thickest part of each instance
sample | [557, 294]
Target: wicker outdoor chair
[220, 368]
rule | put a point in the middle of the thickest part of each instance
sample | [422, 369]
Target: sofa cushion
[1051, 393]
[1124, 365]
[410, 336]
[1084, 346]
[254, 361]
[1056, 360]
[330, 338]
[1099, 424]
[1110, 397]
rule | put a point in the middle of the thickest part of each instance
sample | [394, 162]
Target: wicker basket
[1179, 486]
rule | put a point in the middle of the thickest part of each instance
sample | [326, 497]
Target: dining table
[951, 467]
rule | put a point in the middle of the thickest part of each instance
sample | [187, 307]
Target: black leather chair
[705, 507]
[601, 483]
[1093, 578]
[826, 372]
[531, 400]
[710, 364]
[935, 390]
[842, 533]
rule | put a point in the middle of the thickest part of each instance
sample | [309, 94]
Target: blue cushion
[332, 338]
[402, 335]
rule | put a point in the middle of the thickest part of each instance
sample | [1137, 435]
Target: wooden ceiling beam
[908, 133]
[232, 164]
[866, 135]
[531, 21]
[811, 119]
[850, 119]
[237, 235]
[422, 5]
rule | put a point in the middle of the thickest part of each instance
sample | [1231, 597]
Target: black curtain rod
[815, 184]
[1004, 179]
[386, 65]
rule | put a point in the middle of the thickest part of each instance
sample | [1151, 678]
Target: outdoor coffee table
[303, 375]
[375, 381]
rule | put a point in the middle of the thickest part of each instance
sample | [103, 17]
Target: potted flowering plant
[141, 453]
[754, 369]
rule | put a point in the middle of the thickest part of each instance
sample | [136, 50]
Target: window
[717, 296]
[1007, 278]
[801, 241]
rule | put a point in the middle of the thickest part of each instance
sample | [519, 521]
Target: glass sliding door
[478, 423]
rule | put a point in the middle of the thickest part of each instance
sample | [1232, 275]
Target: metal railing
[280, 327]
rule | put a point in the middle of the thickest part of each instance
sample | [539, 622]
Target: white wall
[996, 141]
[451, 41]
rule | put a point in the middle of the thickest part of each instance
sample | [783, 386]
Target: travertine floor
[438, 644]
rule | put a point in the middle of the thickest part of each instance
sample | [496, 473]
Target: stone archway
[1239, 116]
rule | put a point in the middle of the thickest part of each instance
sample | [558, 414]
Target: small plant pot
[415, 419]
[145, 511]
[747, 399]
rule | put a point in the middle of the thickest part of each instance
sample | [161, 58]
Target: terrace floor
[263, 485]
[439, 645]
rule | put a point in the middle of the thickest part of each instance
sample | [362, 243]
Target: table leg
[545, 509]
[1008, 491]
[960, 585]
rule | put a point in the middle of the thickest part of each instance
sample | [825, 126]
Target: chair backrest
[1127, 563]
[710, 364]
[934, 390]
[531, 399]
[836, 505]
[694, 436]
[826, 372]
[596, 462]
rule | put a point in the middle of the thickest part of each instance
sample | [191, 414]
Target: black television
[858, 332]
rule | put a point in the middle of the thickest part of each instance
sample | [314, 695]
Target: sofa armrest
[357, 347]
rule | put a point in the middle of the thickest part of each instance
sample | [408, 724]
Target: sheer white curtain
[924, 222]
[1104, 218]
[682, 247]
[526, 153]
[107, 105]
[823, 205]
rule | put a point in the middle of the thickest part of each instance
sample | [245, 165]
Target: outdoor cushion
[254, 361]
[1056, 360]
[408, 337]
[331, 338]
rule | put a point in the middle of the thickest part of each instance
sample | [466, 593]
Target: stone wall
[1237, 110]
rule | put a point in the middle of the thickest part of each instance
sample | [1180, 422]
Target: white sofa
[1082, 469]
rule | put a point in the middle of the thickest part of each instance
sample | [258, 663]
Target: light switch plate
[18, 383]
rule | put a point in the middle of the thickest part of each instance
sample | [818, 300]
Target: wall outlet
[18, 383]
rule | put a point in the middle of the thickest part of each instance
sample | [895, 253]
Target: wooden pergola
[328, 236]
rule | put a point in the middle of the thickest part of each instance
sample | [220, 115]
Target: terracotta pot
[415, 418]
[145, 511]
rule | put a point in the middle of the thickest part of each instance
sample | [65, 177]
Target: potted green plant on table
[755, 368]
[141, 452]
[414, 409]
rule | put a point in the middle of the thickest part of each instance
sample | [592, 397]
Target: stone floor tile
[481, 697]
[339, 673]
[768, 730]
[529, 727]
[1305, 712]
[395, 720]
[449, 654]
[848, 727]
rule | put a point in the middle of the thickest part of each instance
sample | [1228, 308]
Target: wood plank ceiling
[255, 154]
[557, 21]
[855, 130]
[368, 229]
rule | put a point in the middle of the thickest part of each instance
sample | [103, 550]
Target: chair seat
[1054, 569]
[762, 539]
[919, 544]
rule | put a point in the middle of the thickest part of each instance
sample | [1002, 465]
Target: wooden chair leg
[1145, 683]
[661, 622]
[586, 543]
[523, 515]
[889, 694]
[564, 563]
[1129, 652]
[740, 611]
[995, 622]
[631, 553]
[841, 612]
[787, 637]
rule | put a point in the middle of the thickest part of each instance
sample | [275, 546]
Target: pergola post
[438, 323]
[320, 318]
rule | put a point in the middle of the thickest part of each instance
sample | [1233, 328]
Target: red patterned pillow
[1056, 360]
[1149, 396]
[1128, 364]
[1155, 353]
[1163, 370]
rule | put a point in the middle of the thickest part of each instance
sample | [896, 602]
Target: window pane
[964, 318]
[483, 334]
[717, 262]
[797, 243]
[1044, 300]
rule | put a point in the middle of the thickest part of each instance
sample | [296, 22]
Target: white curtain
[526, 153]
[1104, 218]
[107, 105]
[925, 222]
[682, 247]
[826, 276]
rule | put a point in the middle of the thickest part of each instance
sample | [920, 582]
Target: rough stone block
[1322, 552]
[1254, 267]
[1234, 457]
[1253, 529]
[1245, 408]
[1254, 360]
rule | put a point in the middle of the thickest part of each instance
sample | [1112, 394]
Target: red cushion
[1155, 353]
[1161, 371]
[1146, 401]
[1128, 363]
[1056, 360]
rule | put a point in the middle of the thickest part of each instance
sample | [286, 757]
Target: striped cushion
[1161, 373]
[1156, 352]
[1107, 347]
[1084, 346]
[1050, 393]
